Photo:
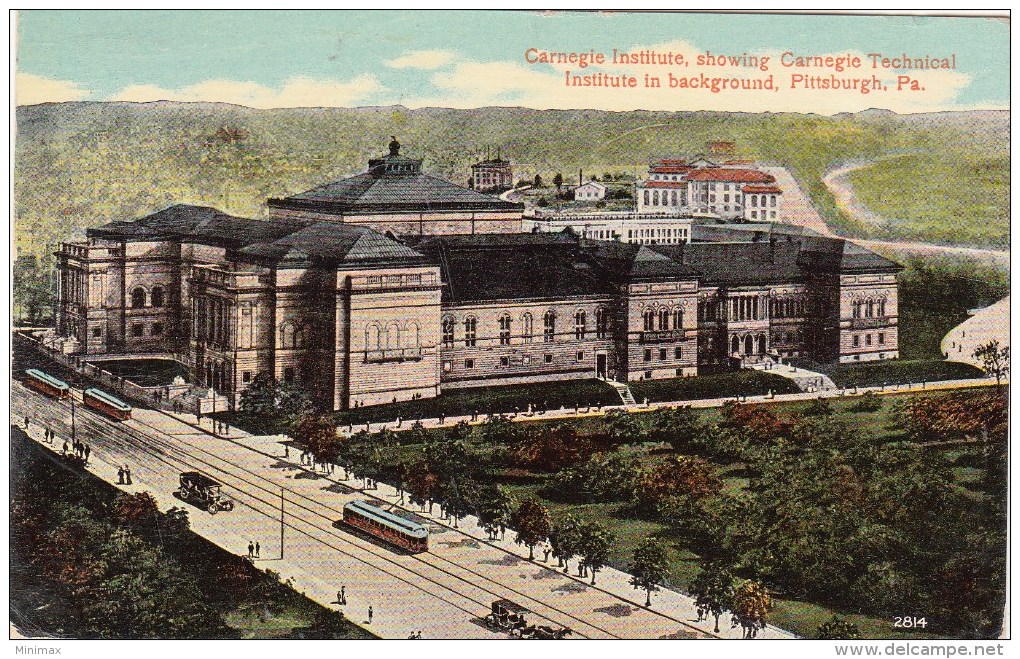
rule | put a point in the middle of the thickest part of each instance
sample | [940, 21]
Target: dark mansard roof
[282, 241]
[393, 183]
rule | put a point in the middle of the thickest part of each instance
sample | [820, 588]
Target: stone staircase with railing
[804, 379]
[624, 391]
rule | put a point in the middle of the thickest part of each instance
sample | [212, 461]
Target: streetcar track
[329, 531]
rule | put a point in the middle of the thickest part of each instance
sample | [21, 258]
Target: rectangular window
[156, 329]
[881, 338]
[857, 341]
[526, 360]
[648, 375]
[549, 327]
[662, 354]
[648, 354]
[580, 355]
[97, 332]
[245, 376]
[548, 359]
[137, 329]
[288, 374]
[413, 279]
[447, 366]
[469, 363]
[470, 331]
[504, 361]
[867, 340]
[678, 352]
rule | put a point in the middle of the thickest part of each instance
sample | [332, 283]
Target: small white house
[590, 191]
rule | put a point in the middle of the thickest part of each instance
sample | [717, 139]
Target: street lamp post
[281, 523]
[72, 421]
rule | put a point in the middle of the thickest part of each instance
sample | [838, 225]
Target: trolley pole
[72, 419]
[281, 523]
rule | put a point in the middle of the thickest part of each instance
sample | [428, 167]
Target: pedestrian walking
[127, 474]
[120, 473]
[88, 452]
[64, 451]
[286, 451]
[27, 420]
[343, 595]
[258, 549]
[339, 597]
[226, 428]
[370, 614]
[251, 549]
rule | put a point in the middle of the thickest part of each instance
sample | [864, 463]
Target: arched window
[748, 345]
[857, 309]
[761, 344]
[735, 344]
[529, 327]
[448, 324]
[674, 198]
[678, 318]
[410, 336]
[157, 296]
[647, 195]
[601, 323]
[300, 333]
[649, 318]
[287, 335]
[663, 319]
[549, 326]
[580, 324]
[470, 331]
[773, 197]
[138, 298]
[655, 198]
[373, 337]
[504, 330]
[871, 308]
[881, 307]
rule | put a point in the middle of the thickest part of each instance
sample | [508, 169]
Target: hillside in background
[79, 165]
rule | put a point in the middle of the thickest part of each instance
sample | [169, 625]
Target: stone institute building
[370, 290]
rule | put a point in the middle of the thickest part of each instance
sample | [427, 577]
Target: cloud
[475, 84]
[422, 59]
[296, 92]
[31, 89]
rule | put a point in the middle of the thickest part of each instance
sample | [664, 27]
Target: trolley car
[47, 384]
[386, 526]
[107, 404]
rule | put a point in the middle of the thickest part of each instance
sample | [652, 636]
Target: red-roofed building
[701, 186]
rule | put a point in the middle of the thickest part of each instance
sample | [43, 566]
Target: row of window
[868, 308]
[138, 296]
[677, 198]
[764, 200]
[663, 316]
[867, 339]
[394, 280]
[506, 323]
[765, 215]
[678, 353]
[505, 361]
[137, 330]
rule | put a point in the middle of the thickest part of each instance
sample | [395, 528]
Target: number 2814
[909, 622]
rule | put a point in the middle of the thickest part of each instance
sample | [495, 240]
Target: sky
[463, 59]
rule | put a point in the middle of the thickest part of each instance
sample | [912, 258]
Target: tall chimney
[580, 176]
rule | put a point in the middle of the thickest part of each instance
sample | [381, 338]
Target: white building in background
[637, 228]
[590, 191]
[735, 190]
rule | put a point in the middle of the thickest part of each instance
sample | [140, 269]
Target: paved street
[444, 592]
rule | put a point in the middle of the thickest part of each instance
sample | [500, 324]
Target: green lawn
[956, 197]
[722, 385]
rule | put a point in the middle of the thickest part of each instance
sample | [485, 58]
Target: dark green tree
[713, 589]
[649, 566]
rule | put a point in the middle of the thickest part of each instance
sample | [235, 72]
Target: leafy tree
[551, 449]
[624, 428]
[680, 475]
[819, 407]
[558, 181]
[538, 181]
[837, 628]
[495, 508]
[650, 566]
[274, 406]
[447, 455]
[604, 477]
[869, 402]
[563, 540]
[751, 606]
[421, 483]
[713, 589]
[542, 202]
[460, 498]
[232, 134]
[677, 426]
[317, 434]
[32, 293]
[532, 522]
[594, 541]
[498, 430]
[994, 360]
[139, 513]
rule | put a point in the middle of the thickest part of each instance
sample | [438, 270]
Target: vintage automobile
[507, 616]
[203, 491]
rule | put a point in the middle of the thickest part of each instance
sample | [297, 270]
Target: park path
[988, 324]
